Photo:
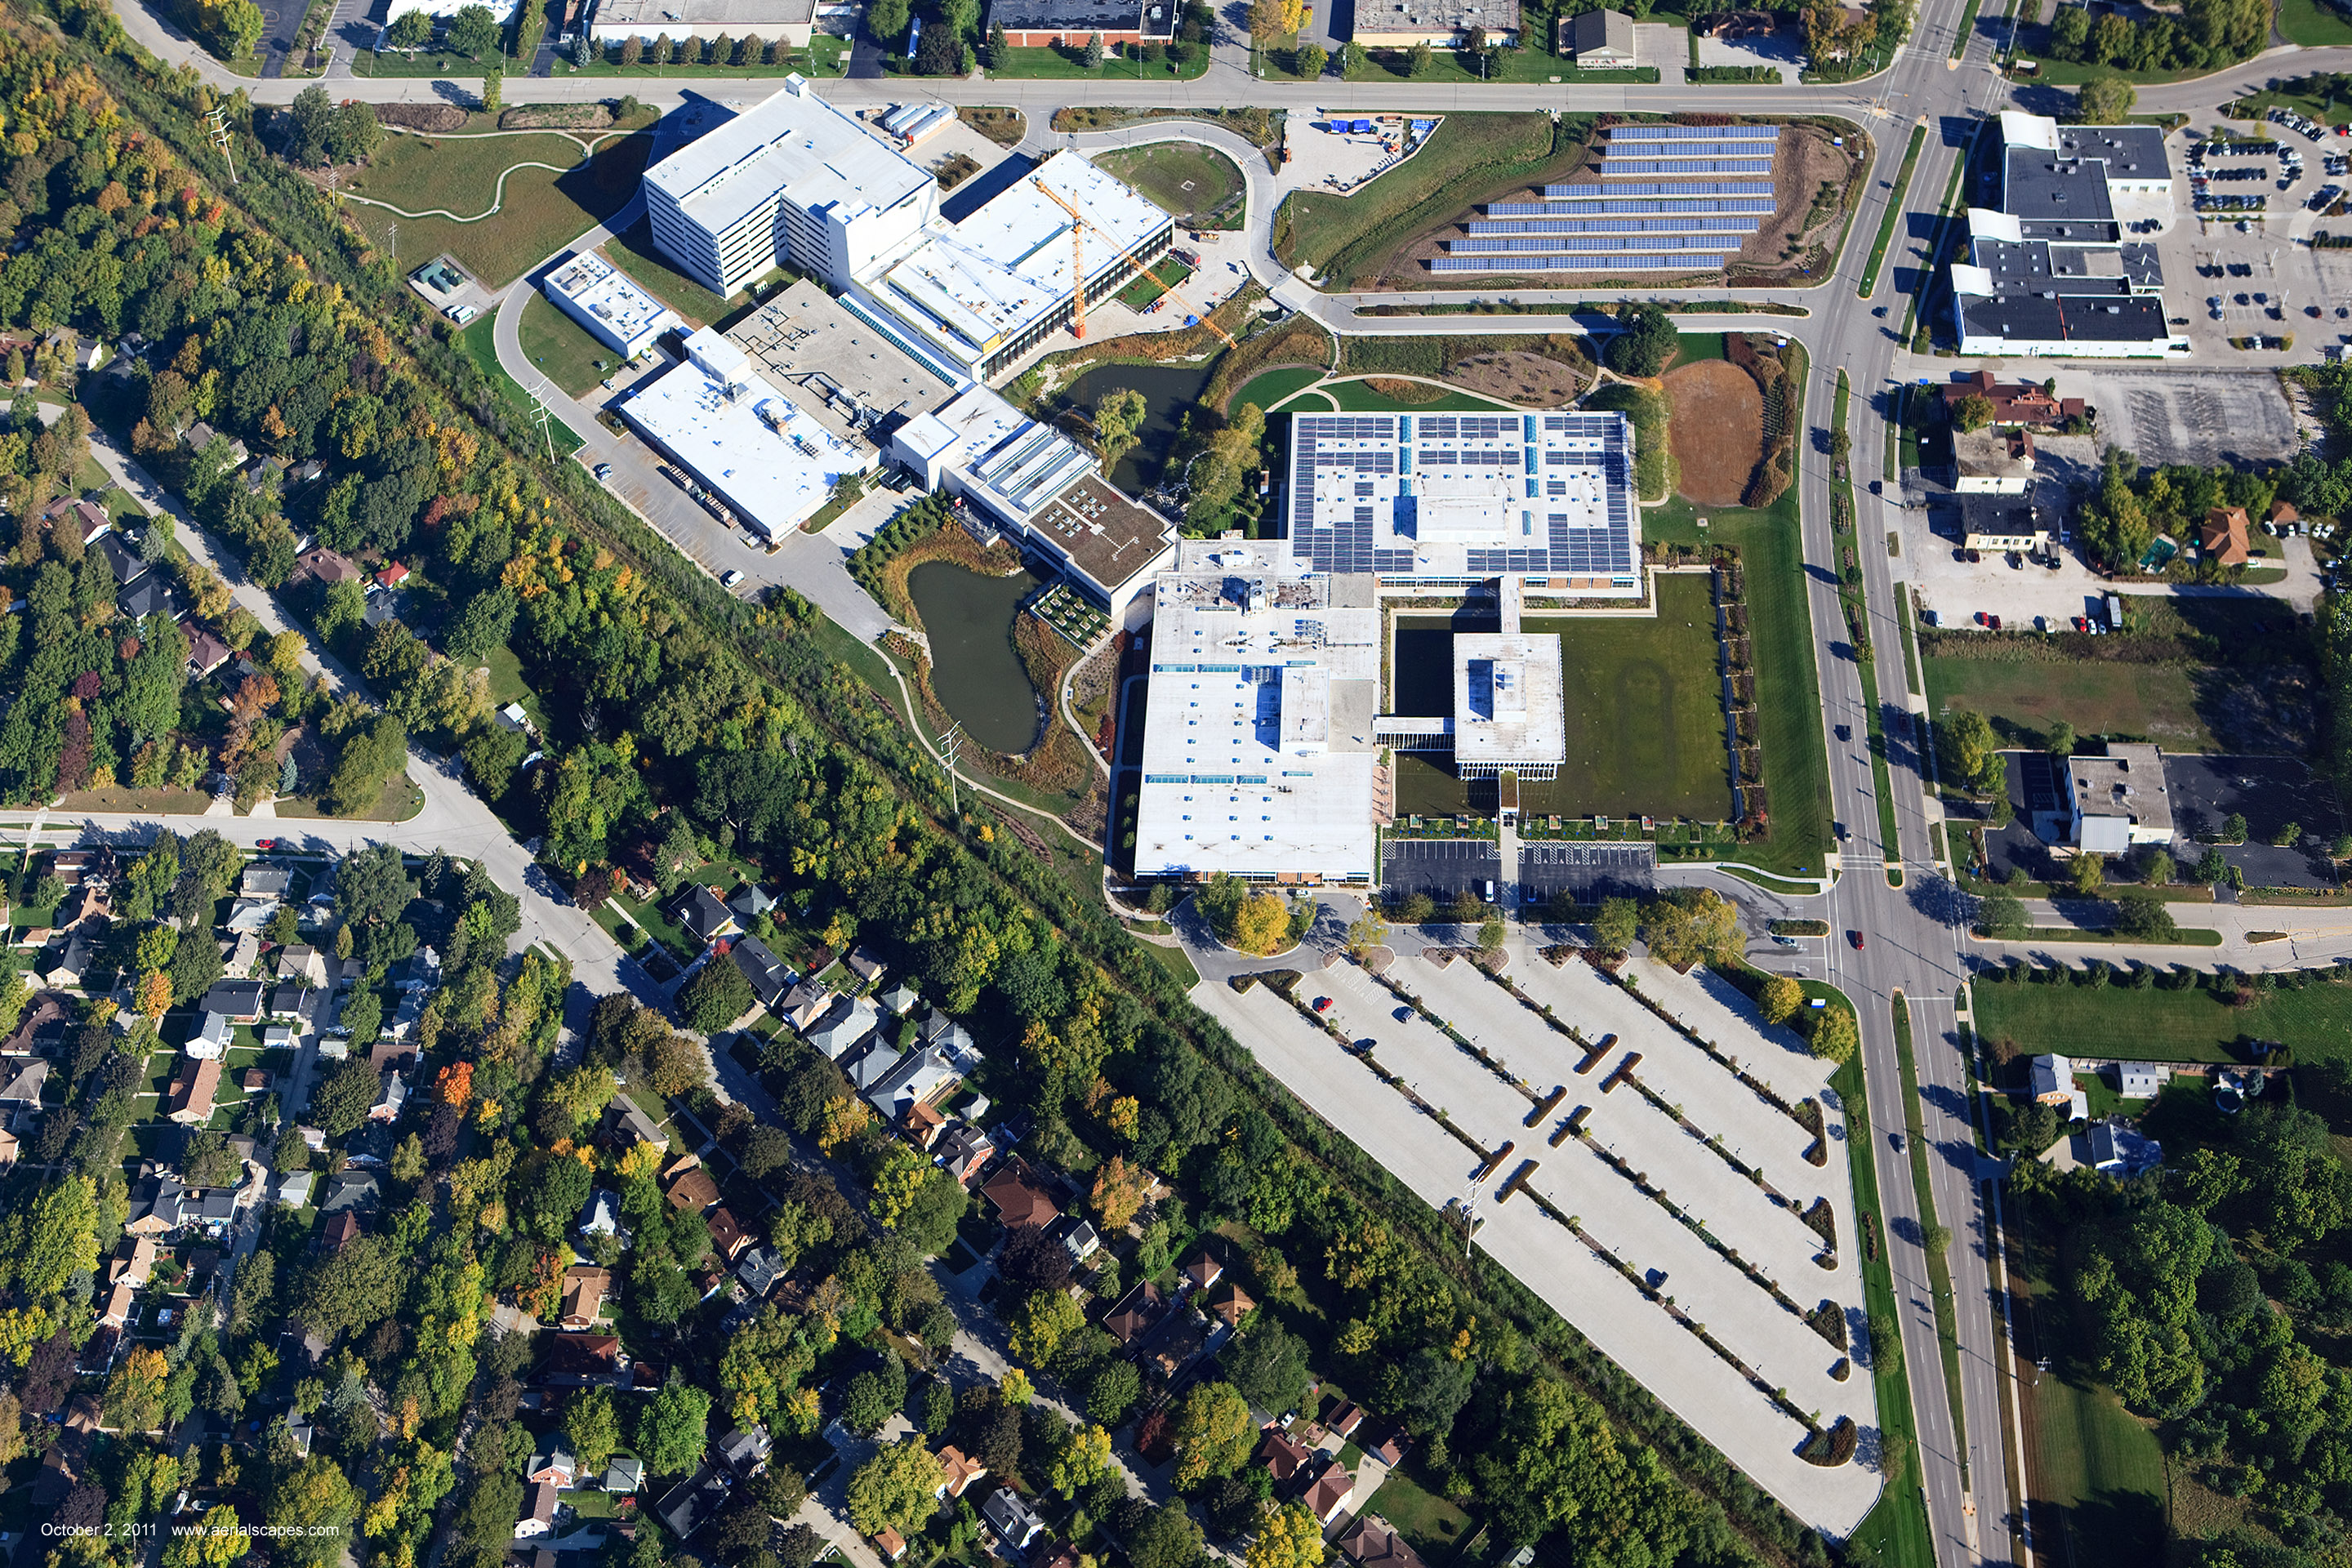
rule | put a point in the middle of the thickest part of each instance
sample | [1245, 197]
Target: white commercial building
[791, 22]
[741, 436]
[1259, 752]
[791, 179]
[2118, 801]
[1509, 715]
[616, 313]
[1427, 500]
[992, 287]
[443, 12]
[1030, 479]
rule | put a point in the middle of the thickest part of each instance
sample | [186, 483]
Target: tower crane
[1079, 222]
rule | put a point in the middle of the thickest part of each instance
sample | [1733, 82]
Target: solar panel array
[1611, 225]
[1540, 216]
[1542, 244]
[1656, 188]
[1578, 542]
[1679, 261]
[1615, 168]
[1661, 132]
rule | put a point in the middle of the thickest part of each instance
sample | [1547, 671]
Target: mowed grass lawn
[561, 347]
[540, 209]
[2313, 24]
[1185, 178]
[1644, 713]
[2166, 1025]
[2024, 699]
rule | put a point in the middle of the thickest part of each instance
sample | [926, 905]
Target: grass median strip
[1939, 1267]
[1968, 27]
[1841, 505]
[1894, 213]
[1896, 1526]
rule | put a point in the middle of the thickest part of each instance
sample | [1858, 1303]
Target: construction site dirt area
[1534, 381]
[1804, 216]
[1717, 429]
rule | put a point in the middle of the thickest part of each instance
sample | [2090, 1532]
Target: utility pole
[952, 748]
[395, 245]
[217, 121]
[539, 398]
[1469, 1218]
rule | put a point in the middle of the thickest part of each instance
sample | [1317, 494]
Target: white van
[461, 314]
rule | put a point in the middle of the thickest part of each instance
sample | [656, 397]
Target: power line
[952, 748]
[219, 122]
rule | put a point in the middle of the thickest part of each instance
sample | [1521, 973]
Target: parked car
[731, 579]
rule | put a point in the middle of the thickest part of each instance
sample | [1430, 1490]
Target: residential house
[1203, 1272]
[1135, 1313]
[694, 1502]
[10, 1146]
[602, 1217]
[745, 1451]
[67, 960]
[1231, 1306]
[2119, 1148]
[2283, 516]
[629, 1126]
[119, 559]
[1013, 1520]
[211, 1038]
[861, 962]
[243, 953]
[22, 1080]
[623, 1474]
[805, 1004]
[2053, 1080]
[325, 567]
[392, 576]
[200, 436]
[133, 1262]
[957, 1471]
[408, 1014]
[539, 1518]
[961, 1151]
[294, 1188]
[121, 1301]
[750, 899]
[206, 651]
[900, 999]
[87, 518]
[1283, 1456]
[919, 1078]
[1019, 1202]
[2141, 1081]
[352, 1189]
[1373, 1543]
[300, 1431]
[1081, 1241]
[339, 1231]
[295, 1005]
[693, 1190]
[848, 1024]
[190, 1099]
[145, 594]
[2223, 536]
[949, 1038]
[889, 1545]
[266, 880]
[93, 863]
[1328, 1493]
[85, 904]
[390, 1098]
[1055, 1553]
[770, 978]
[699, 911]
[923, 1124]
[552, 1462]
[759, 1269]
[240, 1000]
[727, 1237]
[582, 1361]
[300, 961]
[1346, 1419]
[585, 1290]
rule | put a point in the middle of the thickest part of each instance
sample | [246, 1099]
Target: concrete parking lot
[1589, 871]
[1636, 1334]
[2183, 414]
[1443, 868]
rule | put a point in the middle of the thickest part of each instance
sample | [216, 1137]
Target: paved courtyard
[1636, 1332]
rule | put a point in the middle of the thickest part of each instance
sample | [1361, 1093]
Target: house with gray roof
[849, 1022]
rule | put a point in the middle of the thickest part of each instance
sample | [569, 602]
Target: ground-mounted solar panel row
[1655, 132]
[1586, 191]
[1625, 168]
[1535, 244]
[1687, 153]
[1523, 213]
[1613, 262]
[1749, 224]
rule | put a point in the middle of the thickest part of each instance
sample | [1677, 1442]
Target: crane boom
[1078, 221]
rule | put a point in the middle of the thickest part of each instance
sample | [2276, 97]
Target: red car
[2082, 623]
[1854, 937]
[1981, 617]
[265, 845]
[1322, 1004]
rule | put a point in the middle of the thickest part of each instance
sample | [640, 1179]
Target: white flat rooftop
[1506, 700]
[792, 140]
[1258, 748]
[594, 285]
[1465, 495]
[769, 458]
[985, 280]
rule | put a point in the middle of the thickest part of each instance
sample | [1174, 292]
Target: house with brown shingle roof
[693, 1190]
[2222, 537]
[585, 1290]
[1373, 1543]
[1283, 1456]
[190, 1099]
[956, 1472]
[1203, 1272]
[1135, 1313]
[1232, 1306]
[1017, 1201]
[727, 1237]
[1330, 1493]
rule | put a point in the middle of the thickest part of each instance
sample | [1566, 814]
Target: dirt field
[1804, 160]
[1527, 379]
[1717, 429]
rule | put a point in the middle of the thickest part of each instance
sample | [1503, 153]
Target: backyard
[1191, 181]
[2156, 1024]
[499, 203]
[1644, 713]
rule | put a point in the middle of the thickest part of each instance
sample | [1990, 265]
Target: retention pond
[976, 672]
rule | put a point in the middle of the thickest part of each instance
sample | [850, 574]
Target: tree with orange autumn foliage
[456, 1084]
[1118, 1192]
